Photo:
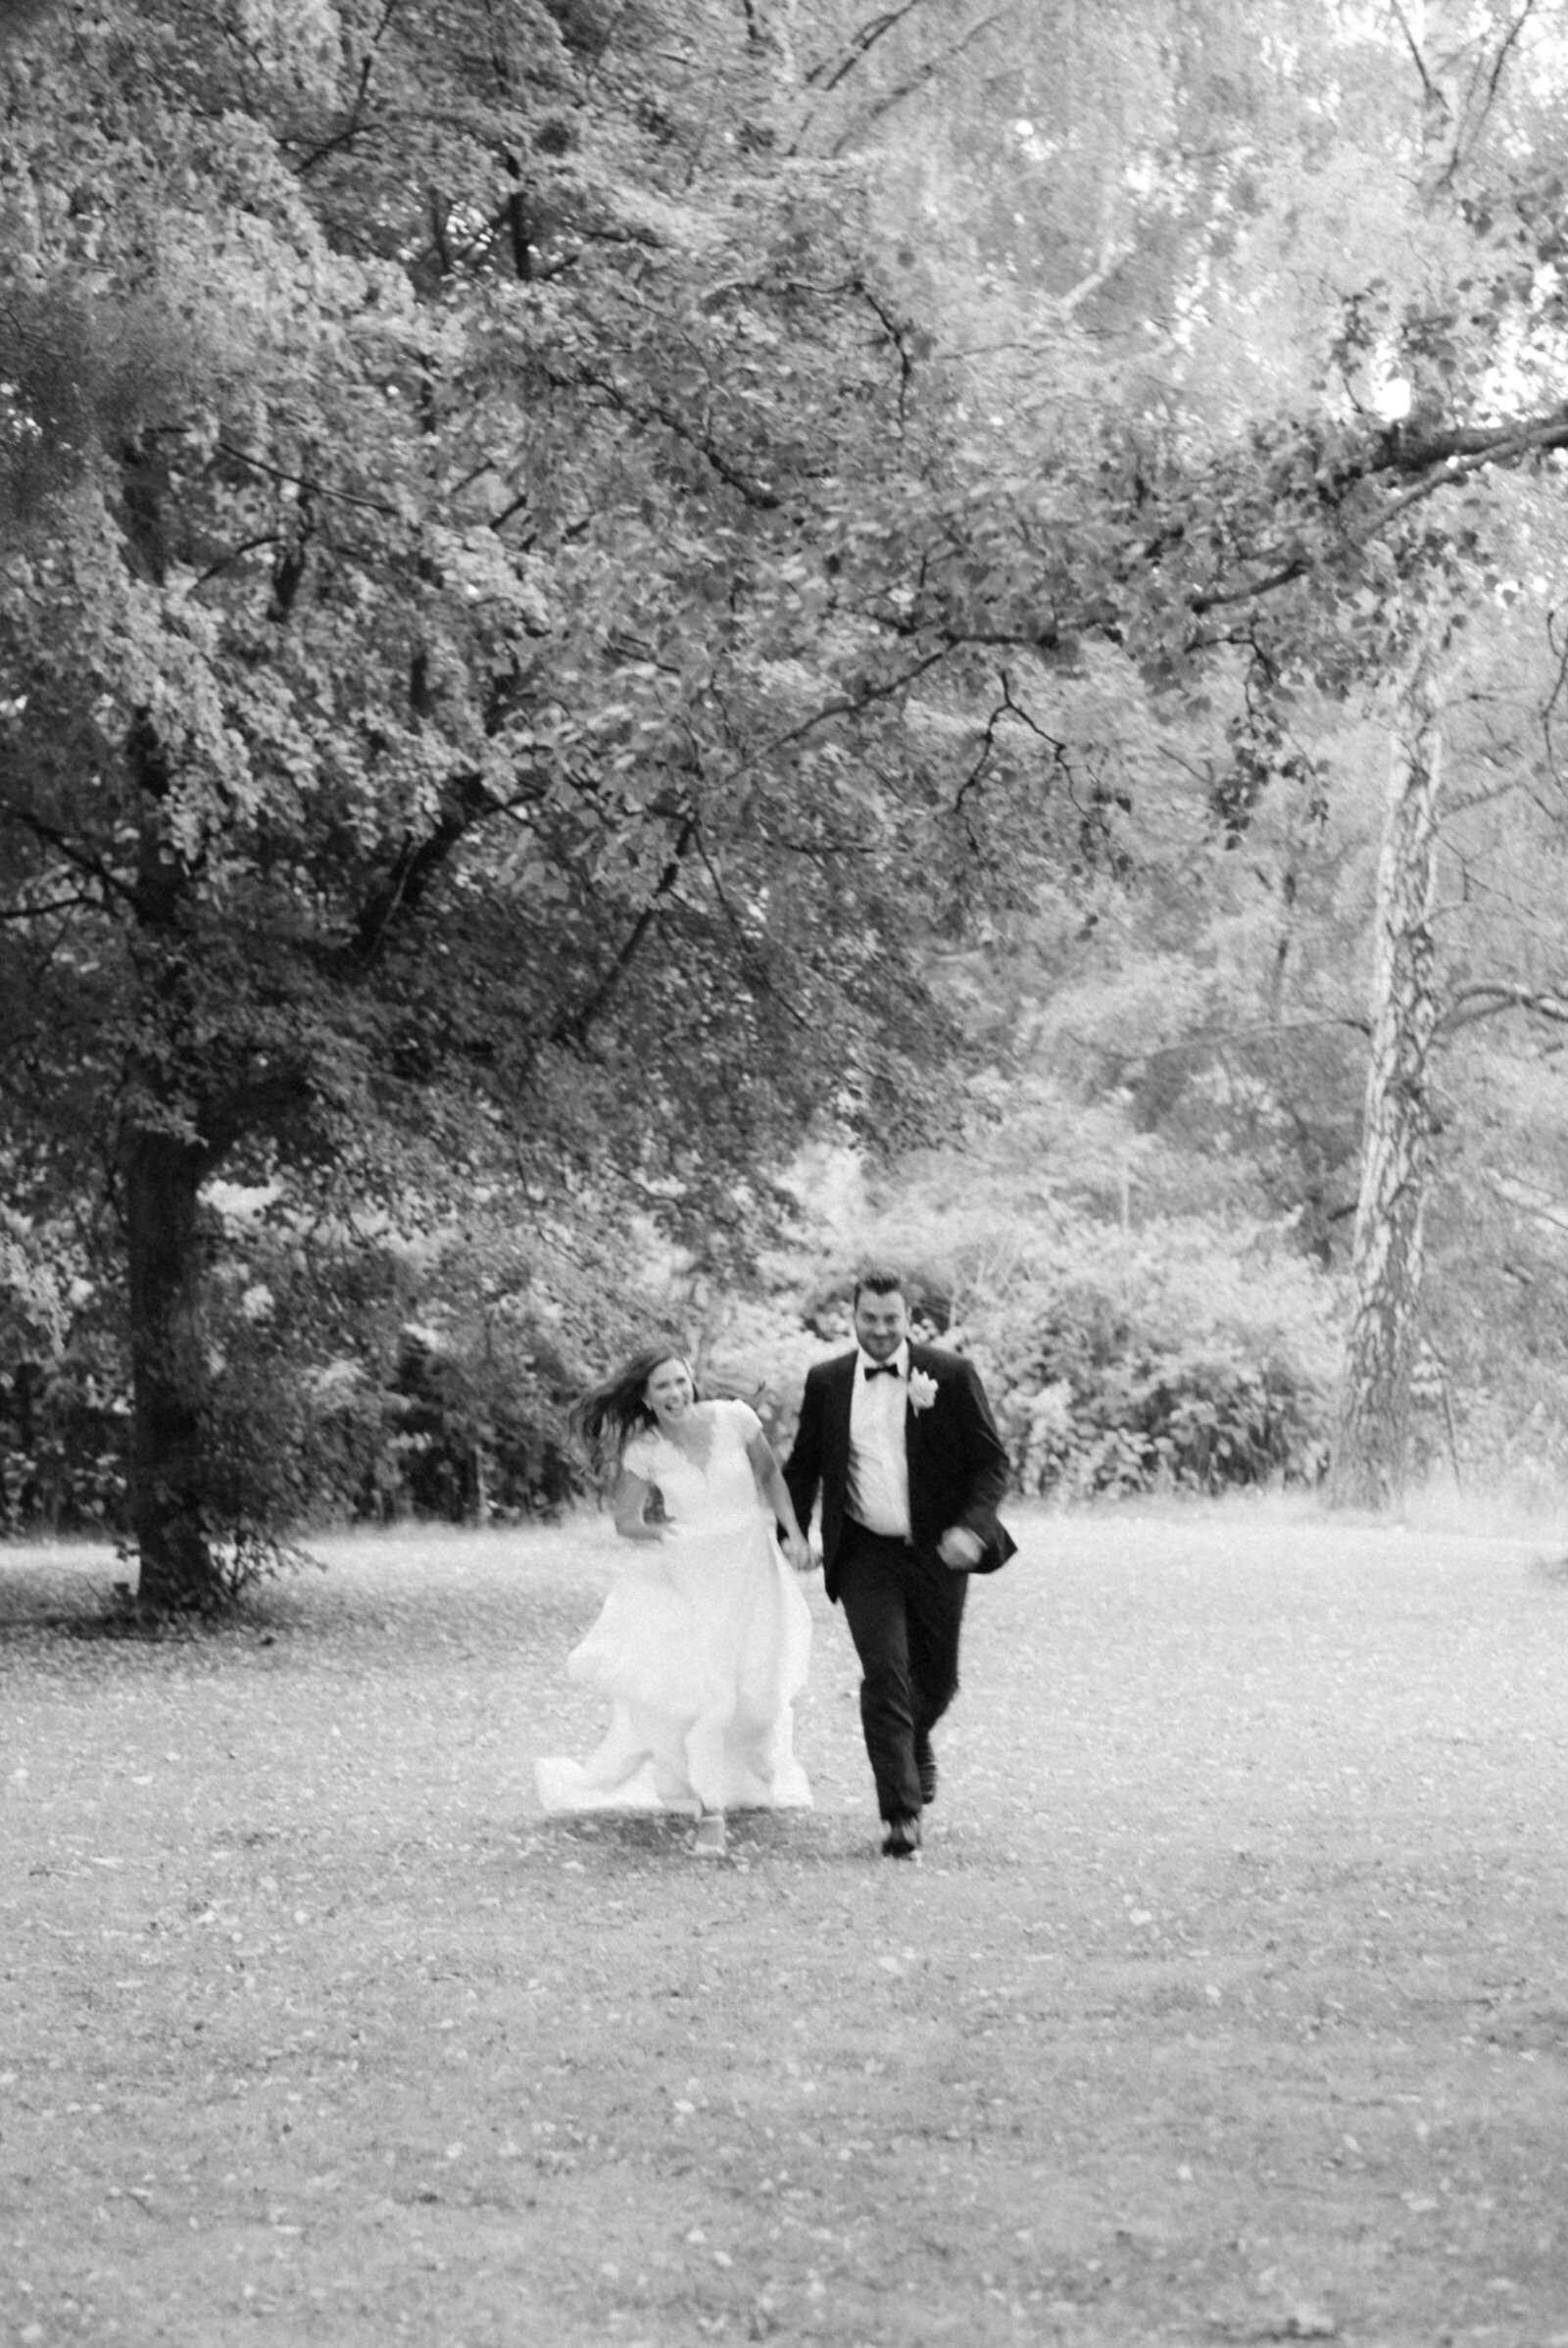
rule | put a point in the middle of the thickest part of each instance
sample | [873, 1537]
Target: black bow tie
[881, 1369]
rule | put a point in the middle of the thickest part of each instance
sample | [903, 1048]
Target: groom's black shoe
[925, 1763]
[902, 1838]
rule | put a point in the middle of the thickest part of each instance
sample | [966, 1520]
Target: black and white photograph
[783, 1173]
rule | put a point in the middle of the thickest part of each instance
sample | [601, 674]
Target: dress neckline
[702, 1465]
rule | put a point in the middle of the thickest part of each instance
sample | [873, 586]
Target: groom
[900, 1441]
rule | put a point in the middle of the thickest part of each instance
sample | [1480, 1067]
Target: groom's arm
[985, 1466]
[803, 1470]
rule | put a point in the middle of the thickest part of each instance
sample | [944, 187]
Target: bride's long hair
[611, 1413]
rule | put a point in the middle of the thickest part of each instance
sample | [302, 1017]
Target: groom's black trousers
[904, 1612]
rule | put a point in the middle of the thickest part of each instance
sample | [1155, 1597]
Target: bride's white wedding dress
[701, 1648]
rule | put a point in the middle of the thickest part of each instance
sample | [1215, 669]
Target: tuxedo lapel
[913, 1429]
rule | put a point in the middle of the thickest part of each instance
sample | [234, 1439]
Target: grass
[1231, 2003]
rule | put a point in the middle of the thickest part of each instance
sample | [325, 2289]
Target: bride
[702, 1644]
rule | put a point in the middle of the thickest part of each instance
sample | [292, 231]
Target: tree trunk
[162, 1168]
[1459, 82]
[1368, 1464]
[161, 1176]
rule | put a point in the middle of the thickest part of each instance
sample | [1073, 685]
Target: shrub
[62, 1428]
[1175, 1357]
[64, 1392]
[1182, 1355]
[1141, 1420]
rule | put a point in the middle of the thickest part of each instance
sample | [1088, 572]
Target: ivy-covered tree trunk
[1367, 1467]
[162, 1174]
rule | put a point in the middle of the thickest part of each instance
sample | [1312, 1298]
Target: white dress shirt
[878, 1495]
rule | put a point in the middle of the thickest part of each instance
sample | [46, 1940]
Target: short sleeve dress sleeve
[639, 1457]
[745, 1421]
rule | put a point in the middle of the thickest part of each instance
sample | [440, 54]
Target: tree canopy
[433, 722]
[562, 560]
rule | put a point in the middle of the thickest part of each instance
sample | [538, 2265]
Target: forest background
[646, 649]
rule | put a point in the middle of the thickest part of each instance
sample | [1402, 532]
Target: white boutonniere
[922, 1390]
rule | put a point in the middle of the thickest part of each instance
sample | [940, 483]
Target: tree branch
[857, 48]
[1485, 1001]
[756, 493]
[750, 957]
[1216, 1039]
[346, 135]
[306, 482]
[59, 904]
[415, 869]
[1430, 92]
[108, 880]
[574, 1030]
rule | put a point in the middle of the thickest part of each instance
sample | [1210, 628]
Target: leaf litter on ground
[1230, 2003]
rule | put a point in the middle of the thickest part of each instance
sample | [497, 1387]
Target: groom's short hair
[881, 1282]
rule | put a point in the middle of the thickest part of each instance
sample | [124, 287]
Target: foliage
[1192, 1357]
[354, 1373]
[366, 1372]
[1094, 1405]
[537, 625]
[434, 740]
[61, 1443]
[1493, 1380]
[1188, 1353]
[63, 1396]
[425, 622]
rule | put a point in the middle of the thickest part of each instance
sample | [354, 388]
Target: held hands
[798, 1549]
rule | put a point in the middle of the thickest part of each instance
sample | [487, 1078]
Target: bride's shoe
[710, 1842]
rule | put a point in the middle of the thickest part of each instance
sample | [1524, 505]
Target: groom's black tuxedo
[958, 1467]
[905, 1607]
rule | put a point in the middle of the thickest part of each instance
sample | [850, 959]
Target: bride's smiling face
[669, 1393]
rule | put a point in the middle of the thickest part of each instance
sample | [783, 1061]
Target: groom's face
[881, 1323]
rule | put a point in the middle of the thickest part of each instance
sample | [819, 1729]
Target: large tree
[433, 731]
[1464, 147]
[1352, 330]
[516, 639]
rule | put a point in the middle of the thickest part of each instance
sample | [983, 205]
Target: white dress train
[702, 1648]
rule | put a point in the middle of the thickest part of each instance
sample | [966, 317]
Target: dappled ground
[1230, 2004]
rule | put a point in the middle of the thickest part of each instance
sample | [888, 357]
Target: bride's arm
[632, 1494]
[776, 1494]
